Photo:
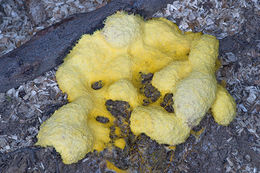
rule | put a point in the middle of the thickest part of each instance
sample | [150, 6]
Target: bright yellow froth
[182, 63]
[224, 107]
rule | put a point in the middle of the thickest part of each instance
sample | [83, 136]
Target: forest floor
[235, 148]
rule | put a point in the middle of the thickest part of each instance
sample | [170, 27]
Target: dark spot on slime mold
[167, 103]
[97, 85]
[148, 89]
[118, 108]
[102, 119]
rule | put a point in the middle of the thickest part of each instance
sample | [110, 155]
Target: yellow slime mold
[224, 107]
[183, 64]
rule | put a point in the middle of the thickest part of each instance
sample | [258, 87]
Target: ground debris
[167, 103]
[148, 89]
[234, 148]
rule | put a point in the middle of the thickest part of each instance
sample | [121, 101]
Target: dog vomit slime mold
[182, 63]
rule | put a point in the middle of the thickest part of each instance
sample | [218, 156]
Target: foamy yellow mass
[183, 64]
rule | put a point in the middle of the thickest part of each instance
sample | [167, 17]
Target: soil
[211, 147]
